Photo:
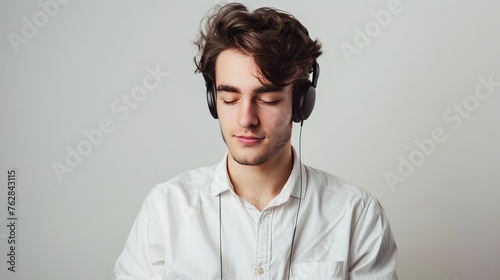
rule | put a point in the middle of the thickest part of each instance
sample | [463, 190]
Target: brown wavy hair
[278, 42]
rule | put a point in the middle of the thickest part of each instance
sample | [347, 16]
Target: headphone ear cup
[308, 102]
[296, 106]
[211, 97]
[304, 98]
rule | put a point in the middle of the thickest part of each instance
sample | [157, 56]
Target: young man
[259, 213]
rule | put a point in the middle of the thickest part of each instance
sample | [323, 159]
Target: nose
[248, 114]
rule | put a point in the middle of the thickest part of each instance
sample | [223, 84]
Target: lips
[248, 140]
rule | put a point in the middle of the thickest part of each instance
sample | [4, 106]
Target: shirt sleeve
[144, 254]
[373, 252]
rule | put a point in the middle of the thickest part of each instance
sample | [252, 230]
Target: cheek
[226, 121]
[223, 124]
[224, 115]
[278, 120]
[283, 114]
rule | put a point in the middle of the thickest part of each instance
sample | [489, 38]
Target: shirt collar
[221, 182]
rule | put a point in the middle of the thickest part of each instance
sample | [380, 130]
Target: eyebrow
[261, 89]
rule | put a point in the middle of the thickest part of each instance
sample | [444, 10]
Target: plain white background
[69, 72]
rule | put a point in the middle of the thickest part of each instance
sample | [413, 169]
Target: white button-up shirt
[342, 231]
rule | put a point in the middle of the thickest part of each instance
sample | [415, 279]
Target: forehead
[234, 67]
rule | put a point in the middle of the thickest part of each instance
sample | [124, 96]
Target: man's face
[255, 119]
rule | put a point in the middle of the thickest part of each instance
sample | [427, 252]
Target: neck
[259, 184]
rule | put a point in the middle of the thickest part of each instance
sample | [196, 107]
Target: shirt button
[260, 271]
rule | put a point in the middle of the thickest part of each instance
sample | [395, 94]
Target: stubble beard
[281, 140]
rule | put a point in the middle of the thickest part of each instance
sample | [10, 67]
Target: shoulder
[330, 185]
[341, 195]
[184, 186]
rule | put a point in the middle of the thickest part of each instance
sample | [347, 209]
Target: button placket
[262, 246]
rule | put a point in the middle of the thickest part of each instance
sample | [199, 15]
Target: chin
[250, 162]
[249, 158]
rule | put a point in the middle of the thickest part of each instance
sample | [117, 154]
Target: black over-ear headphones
[304, 96]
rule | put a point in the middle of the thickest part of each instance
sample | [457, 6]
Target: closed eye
[231, 102]
[270, 102]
